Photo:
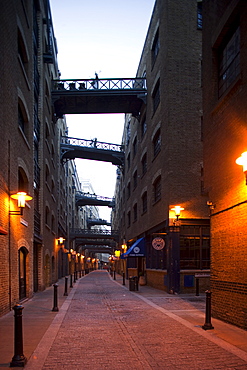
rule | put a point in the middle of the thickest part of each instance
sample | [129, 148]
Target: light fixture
[60, 240]
[21, 197]
[177, 210]
[117, 253]
[242, 161]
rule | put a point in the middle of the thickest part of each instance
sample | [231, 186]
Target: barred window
[155, 48]
[156, 96]
[128, 219]
[144, 164]
[135, 212]
[229, 62]
[157, 189]
[143, 126]
[128, 190]
[157, 143]
[199, 15]
[134, 146]
[144, 202]
[135, 180]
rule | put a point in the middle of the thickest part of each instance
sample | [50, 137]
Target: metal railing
[100, 84]
[82, 195]
[65, 140]
[94, 232]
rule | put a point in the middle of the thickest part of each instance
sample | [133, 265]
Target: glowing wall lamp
[60, 240]
[177, 210]
[21, 197]
[242, 161]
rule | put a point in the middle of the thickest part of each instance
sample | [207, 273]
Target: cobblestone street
[102, 325]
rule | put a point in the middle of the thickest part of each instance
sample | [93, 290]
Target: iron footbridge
[88, 199]
[104, 95]
[72, 148]
[94, 234]
[97, 221]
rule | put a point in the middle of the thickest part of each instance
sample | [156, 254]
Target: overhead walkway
[87, 199]
[72, 148]
[86, 96]
[97, 221]
[94, 234]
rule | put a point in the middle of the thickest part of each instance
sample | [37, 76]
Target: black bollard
[208, 325]
[74, 276]
[197, 287]
[71, 281]
[18, 360]
[65, 286]
[123, 278]
[114, 275]
[55, 307]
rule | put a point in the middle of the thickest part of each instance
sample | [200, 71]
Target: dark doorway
[22, 273]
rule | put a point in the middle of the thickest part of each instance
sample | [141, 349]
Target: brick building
[163, 155]
[225, 138]
[31, 257]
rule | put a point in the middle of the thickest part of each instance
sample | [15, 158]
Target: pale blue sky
[107, 37]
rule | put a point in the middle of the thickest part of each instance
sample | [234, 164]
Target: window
[157, 143]
[195, 247]
[199, 15]
[155, 48]
[229, 62]
[128, 219]
[156, 96]
[157, 189]
[144, 202]
[47, 215]
[143, 126]
[134, 146]
[144, 164]
[22, 119]
[128, 131]
[135, 212]
[22, 53]
[128, 161]
[128, 190]
[135, 180]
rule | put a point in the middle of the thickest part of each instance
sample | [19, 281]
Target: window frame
[229, 61]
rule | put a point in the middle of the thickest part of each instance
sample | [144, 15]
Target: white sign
[158, 243]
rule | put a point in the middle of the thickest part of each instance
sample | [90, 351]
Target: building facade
[163, 155]
[225, 135]
[31, 257]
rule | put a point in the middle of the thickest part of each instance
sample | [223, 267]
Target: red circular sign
[158, 243]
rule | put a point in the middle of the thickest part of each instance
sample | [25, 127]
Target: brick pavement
[102, 325]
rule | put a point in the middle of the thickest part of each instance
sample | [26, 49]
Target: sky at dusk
[106, 37]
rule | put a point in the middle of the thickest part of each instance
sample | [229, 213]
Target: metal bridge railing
[65, 140]
[100, 84]
[82, 195]
[96, 232]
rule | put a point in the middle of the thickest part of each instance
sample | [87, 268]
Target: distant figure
[95, 83]
[94, 142]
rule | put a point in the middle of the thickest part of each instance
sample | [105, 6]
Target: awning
[136, 250]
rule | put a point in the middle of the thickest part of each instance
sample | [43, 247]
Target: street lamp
[177, 210]
[21, 197]
[242, 161]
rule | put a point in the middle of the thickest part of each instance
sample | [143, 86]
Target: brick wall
[225, 137]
